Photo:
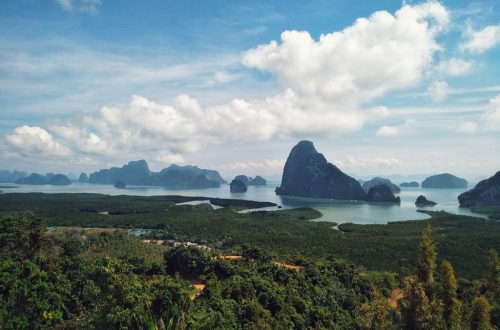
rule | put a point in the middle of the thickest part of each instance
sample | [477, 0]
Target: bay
[332, 210]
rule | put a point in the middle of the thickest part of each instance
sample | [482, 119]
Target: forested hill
[105, 279]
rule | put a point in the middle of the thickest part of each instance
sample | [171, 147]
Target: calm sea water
[334, 211]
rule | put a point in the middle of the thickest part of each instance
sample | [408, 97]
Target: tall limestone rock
[83, 178]
[308, 174]
[134, 173]
[486, 192]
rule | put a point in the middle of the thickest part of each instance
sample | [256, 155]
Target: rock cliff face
[135, 172]
[59, 180]
[177, 177]
[83, 178]
[34, 178]
[444, 180]
[249, 181]
[242, 178]
[120, 185]
[486, 192]
[257, 181]
[211, 175]
[189, 177]
[377, 181]
[413, 184]
[50, 178]
[308, 174]
[382, 194]
[8, 176]
[236, 186]
[423, 201]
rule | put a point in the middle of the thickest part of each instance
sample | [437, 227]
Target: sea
[332, 210]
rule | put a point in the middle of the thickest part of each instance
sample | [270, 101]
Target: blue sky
[390, 88]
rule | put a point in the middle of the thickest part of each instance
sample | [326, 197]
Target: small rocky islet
[444, 180]
[412, 184]
[378, 181]
[423, 201]
[237, 186]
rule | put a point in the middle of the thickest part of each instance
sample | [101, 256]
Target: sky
[380, 87]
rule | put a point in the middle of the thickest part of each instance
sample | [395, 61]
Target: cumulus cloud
[491, 118]
[84, 6]
[488, 121]
[374, 55]
[395, 131]
[325, 84]
[29, 140]
[482, 40]
[454, 67]
[438, 91]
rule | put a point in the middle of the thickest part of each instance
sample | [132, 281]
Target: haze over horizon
[381, 88]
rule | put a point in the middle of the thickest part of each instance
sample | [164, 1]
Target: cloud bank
[325, 86]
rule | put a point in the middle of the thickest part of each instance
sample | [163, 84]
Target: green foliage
[480, 319]
[186, 261]
[494, 274]
[418, 311]
[388, 247]
[257, 294]
[104, 278]
[451, 303]
[426, 258]
[21, 237]
[375, 314]
[28, 298]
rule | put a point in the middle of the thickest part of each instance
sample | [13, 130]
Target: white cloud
[84, 6]
[438, 91]
[395, 131]
[379, 112]
[326, 81]
[324, 85]
[491, 118]
[29, 140]
[454, 67]
[482, 40]
[467, 127]
[223, 77]
[488, 121]
[354, 162]
[168, 158]
[388, 131]
[97, 77]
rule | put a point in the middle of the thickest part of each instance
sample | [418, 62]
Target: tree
[451, 313]
[187, 261]
[418, 313]
[20, 237]
[375, 314]
[480, 319]
[28, 298]
[494, 273]
[426, 259]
